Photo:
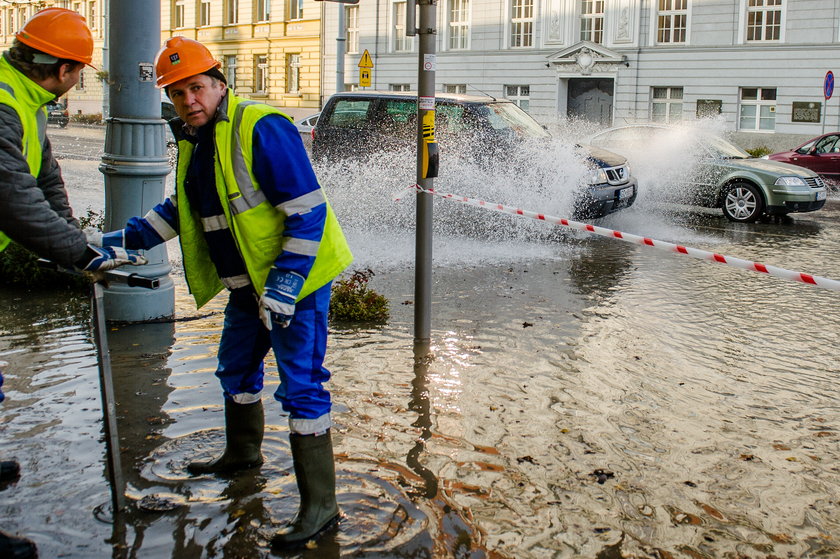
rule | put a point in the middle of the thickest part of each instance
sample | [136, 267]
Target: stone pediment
[586, 58]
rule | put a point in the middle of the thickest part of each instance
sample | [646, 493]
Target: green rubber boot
[244, 427]
[315, 470]
[9, 471]
[13, 547]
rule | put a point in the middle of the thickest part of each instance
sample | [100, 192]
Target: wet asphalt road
[586, 398]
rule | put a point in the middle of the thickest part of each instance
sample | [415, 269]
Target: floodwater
[584, 397]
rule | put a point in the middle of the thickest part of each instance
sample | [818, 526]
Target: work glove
[277, 303]
[101, 259]
[97, 238]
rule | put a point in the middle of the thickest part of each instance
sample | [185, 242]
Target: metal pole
[340, 48]
[106, 31]
[426, 166]
[135, 163]
[106, 385]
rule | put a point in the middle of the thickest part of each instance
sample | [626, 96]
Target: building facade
[760, 65]
[86, 97]
[270, 50]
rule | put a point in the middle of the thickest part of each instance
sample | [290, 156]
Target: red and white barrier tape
[809, 279]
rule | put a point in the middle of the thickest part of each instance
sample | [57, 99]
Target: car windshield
[723, 149]
[502, 116]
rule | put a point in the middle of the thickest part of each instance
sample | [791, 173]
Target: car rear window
[350, 113]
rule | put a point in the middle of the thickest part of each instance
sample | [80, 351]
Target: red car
[820, 154]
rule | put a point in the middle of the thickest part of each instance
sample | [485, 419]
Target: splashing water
[538, 175]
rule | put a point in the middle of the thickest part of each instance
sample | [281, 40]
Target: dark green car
[690, 165]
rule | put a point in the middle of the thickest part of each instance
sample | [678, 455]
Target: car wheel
[63, 123]
[743, 203]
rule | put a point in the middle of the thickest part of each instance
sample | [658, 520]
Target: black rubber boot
[314, 464]
[244, 427]
[9, 471]
[13, 547]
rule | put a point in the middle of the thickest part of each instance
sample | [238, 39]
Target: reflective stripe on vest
[256, 225]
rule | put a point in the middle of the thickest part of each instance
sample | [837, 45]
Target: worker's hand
[94, 236]
[97, 238]
[277, 303]
[101, 259]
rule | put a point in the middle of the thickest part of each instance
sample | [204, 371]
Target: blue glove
[277, 303]
[97, 238]
[101, 259]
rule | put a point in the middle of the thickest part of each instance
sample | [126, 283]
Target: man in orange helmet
[44, 62]
[252, 218]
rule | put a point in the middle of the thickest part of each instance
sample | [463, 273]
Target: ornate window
[592, 21]
[293, 73]
[204, 13]
[758, 109]
[352, 24]
[764, 20]
[231, 12]
[666, 104]
[263, 10]
[522, 23]
[672, 19]
[261, 74]
[402, 42]
[519, 94]
[179, 14]
[230, 70]
[459, 24]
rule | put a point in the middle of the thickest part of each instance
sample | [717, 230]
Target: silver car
[698, 167]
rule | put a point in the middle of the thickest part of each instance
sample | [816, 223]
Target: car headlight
[597, 176]
[790, 181]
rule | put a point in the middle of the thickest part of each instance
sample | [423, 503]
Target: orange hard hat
[181, 58]
[59, 32]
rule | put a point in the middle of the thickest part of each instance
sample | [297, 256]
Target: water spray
[774, 271]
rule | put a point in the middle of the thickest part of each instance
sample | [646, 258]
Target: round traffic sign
[828, 85]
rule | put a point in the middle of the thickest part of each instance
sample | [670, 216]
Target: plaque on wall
[806, 111]
[708, 107]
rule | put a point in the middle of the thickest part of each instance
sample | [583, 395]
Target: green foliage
[759, 151]
[352, 300]
[95, 118]
[19, 267]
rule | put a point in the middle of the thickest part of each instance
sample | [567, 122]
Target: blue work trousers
[299, 350]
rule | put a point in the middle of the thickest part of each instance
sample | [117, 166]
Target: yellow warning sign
[364, 77]
[366, 61]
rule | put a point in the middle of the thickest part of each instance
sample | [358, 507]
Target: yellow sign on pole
[365, 66]
[364, 77]
[366, 61]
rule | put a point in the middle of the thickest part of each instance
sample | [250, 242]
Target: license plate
[820, 195]
[625, 193]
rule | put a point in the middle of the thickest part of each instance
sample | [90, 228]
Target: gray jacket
[35, 212]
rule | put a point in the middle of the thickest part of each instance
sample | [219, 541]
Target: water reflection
[421, 405]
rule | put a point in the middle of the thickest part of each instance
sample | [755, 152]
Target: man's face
[68, 77]
[196, 98]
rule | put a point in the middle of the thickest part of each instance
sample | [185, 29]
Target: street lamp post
[135, 163]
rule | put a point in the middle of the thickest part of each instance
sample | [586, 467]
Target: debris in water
[160, 502]
[601, 476]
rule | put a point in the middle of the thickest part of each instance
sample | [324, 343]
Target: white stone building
[761, 64]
